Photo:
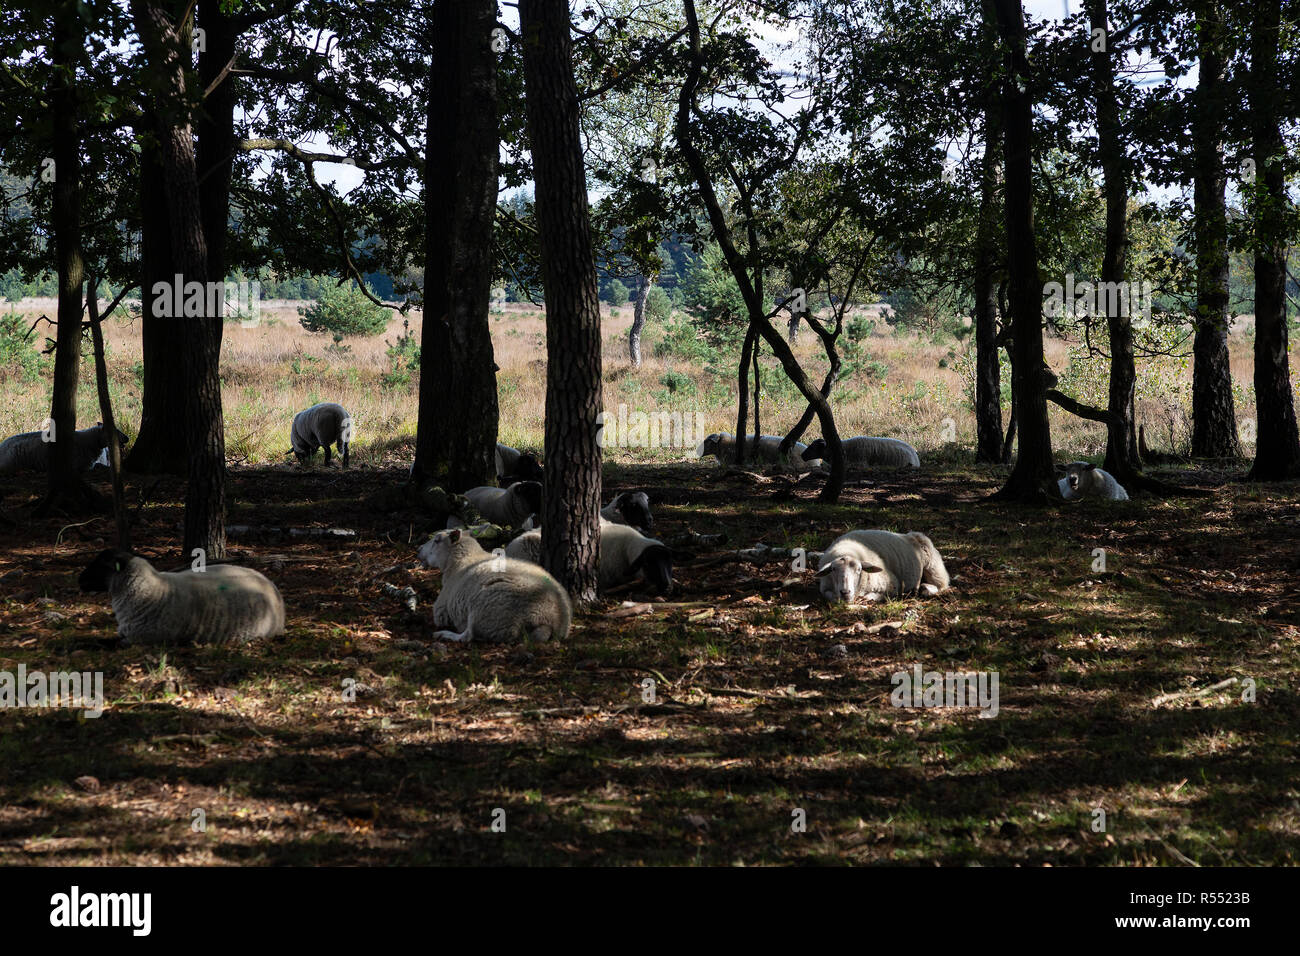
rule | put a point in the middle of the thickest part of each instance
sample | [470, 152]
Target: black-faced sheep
[222, 604]
[321, 426]
[31, 452]
[764, 449]
[625, 556]
[876, 565]
[864, 451]
[490, 597]
[630, 508]
[515, 465]
[1084, 480]
[509, 507]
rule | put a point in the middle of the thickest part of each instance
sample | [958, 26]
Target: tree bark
[742, 394]
[106, 412]
[988, 371]
[643, 288]
[1277, 449]
[570, 524]
[457, 430]
[1034, 472]
[1214, 419]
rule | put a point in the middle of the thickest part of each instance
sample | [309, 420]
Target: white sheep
[491, 597]
[516, 465]
[31, 452]
[761, 448]
[221, 604]
[321, 426]
[508, 507]
[877, 565]
[625, 555]
[631, 508]
[1085, 480]
[864, 451]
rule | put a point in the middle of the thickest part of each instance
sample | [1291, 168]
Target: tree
[571, 507]
[988, 367]
[344, 311]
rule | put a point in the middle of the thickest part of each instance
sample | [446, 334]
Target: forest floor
[766, 703]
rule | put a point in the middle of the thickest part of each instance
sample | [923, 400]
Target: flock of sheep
[505, 595]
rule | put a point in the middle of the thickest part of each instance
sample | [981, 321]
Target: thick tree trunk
[742, 394]
[988, 370]
[1277, 449]
[1214, 419]
[1034, 472]
[205, 497]
[638, 320]
[570, 524]
[457, 430]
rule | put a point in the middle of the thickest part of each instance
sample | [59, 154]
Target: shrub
[618, 293]
[18, 356]
[343, 311]
[405, 356]
[658, 306]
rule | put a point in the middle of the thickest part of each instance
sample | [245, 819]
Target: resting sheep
[763, 448]
[516, 465]
[1085, 480]
[877, 565]
[222, 604]
[321, 426]
[625, 555]
[869, 452]
[509, 507]
[490, 597]
[30, 452]
[630, 508]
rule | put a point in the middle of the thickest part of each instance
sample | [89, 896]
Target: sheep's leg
[327, 456]
[540, 633]
[461, 638]
[343, 447]
[929, 590]
[873, 597]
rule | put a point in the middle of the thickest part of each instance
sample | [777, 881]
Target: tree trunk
[988, 371]
[742, 394]
[758, 425]
[792, 328]
[106, 413]
[457, 430]
[1277, 451]
[1034, 472]
[638, 320]
[205, 497]
[67, 490]
[1214, 419]
[570, 524]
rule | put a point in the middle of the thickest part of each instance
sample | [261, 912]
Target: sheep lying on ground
[876, 565]
[625, 555]
[869, 452]
[1084, 480]
[631, 508]
[222, 604]
[29, 452]
[321, 426]
[489, 597]
[762, 449]
[508, 507]
[516, 465]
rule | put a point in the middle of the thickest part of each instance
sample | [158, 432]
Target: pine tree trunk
[570, 524]
[988, 370]
[1277, 451]
[1214, 419]
[742, 394]
[638, 320]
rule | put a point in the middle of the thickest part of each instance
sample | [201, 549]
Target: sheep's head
[634, 506]
[655, 565]
[840, 578]
[437, 551]
[100, 572]
[1079, 472]
[528, 468]
[530, 493]
[710, 446]
[816, 450]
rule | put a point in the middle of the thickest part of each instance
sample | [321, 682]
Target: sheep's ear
[823, 571]
[869, 568]
[454, 535]
[1090, 467]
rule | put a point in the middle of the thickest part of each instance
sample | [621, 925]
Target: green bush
[681, 340]
[658, 306]
[618, 293]
[344, 311]
[18, 356]
[405, 356]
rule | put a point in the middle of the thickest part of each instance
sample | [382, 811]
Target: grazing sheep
[631, 508]
[29, 452]
[763, 448]
[876, 565]
[625, 555]
[1085, 480]
[869, 452]
[491, 597]
[222, 604]
[508, 507]
[516, 465]
[321, 426]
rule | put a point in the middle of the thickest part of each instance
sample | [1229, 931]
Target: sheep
[321, 426]
[630, 508]
[492, 597]
[1085, 480]
[876, 565]
[221, 604]
[763, 448]
[508, 507]
[865, 451]
[516, 465]
[625, 555]
[30, 451]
